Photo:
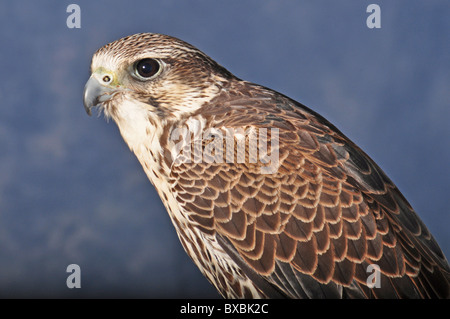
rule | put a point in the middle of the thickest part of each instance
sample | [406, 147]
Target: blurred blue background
[72, 193]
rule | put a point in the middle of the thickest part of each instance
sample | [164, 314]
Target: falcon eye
[146, 68]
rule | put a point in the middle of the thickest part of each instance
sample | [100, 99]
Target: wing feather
[313, 227]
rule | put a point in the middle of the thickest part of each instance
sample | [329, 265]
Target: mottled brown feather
[319, 212]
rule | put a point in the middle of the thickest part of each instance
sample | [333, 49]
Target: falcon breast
[268, 198]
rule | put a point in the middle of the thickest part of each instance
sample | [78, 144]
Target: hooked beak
[95, 93]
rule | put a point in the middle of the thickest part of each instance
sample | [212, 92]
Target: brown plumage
[311, 228]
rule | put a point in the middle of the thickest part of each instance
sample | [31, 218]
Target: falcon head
[164, 77]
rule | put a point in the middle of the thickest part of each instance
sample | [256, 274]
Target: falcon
[268, 198]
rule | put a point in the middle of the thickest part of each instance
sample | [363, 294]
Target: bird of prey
[318, 220]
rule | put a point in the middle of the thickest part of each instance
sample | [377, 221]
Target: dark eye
[146, 68]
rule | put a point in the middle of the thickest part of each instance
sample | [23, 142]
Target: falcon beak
[95, 93]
